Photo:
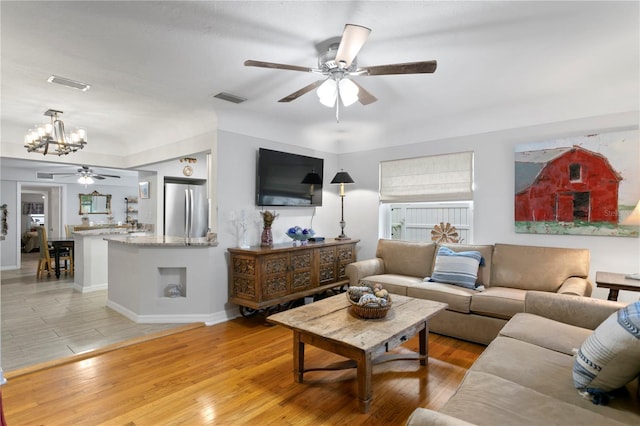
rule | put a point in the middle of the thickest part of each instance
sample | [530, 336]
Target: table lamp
[633, 219]
[342, 177]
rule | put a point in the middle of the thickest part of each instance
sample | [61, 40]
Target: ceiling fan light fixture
[348, 92]
[85, 180]
[328, 92]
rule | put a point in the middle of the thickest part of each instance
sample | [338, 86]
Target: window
[419, 193]
[445, 177]
[575, 172]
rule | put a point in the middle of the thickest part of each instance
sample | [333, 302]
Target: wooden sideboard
[262, 277]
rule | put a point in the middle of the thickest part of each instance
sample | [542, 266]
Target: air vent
[69, 83]
[229, 97]
[44, 176]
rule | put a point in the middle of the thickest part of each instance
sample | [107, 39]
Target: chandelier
[50, 138]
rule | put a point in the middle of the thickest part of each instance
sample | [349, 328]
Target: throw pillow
[610, 357]
[458, 268]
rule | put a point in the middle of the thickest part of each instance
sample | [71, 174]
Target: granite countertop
[164, 241]
[104, 231]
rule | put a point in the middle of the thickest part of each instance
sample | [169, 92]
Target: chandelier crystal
[50, 138]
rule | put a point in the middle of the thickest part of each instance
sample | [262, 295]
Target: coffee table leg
[424, 345]
[298, 357]
[365, 393]
[613, 294]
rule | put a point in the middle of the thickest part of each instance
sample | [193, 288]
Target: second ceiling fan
[86, 175]
[339, 63]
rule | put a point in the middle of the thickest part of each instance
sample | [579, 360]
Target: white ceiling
[153, 67]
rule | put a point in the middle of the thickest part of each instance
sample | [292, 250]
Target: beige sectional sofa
[508, 273]
[524, 377]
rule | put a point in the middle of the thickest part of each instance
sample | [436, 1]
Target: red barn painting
[565, 185]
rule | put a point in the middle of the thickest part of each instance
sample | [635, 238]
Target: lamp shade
[312, 179]
[634, 217]
[328, 92]
[342, 177]
[348, 92]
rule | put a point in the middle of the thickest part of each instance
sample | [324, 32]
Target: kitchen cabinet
[262, 277]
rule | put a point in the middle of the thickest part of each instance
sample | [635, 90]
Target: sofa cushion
[610, 357]
[537, 268]
[457, 268]
[406, 258]
[396, 284]
[458, 298]
[498, 302]
[484, 271]
[485, 399]
[548, 372]
[545, 332]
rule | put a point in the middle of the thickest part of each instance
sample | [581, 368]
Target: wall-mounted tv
[280, 176]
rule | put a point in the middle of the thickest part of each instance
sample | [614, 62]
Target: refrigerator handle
[186, 213]
[191, 212]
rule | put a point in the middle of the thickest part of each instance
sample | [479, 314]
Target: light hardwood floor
[45, 319]
[234, 373]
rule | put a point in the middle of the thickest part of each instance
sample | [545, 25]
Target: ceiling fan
[87, 175]
[338, 64]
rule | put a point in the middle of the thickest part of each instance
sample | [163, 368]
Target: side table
[616, 282]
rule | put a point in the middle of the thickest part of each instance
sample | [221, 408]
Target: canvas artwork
[585, 185]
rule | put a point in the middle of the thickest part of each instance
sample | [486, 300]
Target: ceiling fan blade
[406, 68]
[61, 174]
[295, 95]
[364, 96]
[273, 65]
[353, 38]
[104, 176]
[97, 177]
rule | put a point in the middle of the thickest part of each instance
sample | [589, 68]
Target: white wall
[236, 192]
[9, 247]
[494, 193]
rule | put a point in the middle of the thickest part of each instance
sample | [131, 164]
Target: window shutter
[447, 177]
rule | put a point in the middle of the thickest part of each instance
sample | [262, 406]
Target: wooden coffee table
[329, 324]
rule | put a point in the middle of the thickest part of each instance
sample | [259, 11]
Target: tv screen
[280, 176]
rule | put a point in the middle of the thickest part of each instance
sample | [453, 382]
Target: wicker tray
[370, 312]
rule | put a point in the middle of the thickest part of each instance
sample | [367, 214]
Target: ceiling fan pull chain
[338, 101]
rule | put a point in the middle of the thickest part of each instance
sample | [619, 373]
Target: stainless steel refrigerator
[186, 208]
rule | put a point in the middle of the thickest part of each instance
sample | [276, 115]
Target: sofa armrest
[364, 268]
[424, 416]
[579, 311]
[576, 286]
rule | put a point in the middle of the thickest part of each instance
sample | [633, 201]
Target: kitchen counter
[163, 240]
[90, 257]
[155, 278]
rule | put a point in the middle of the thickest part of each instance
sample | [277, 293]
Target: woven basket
[370, 312]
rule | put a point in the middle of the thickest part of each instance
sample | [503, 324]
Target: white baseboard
[83, 289]
[208, 319]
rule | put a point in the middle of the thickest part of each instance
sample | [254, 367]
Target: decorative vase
[267, 238]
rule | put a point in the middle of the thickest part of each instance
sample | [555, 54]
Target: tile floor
[45, 319]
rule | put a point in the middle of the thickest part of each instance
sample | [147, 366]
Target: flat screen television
[279, 179]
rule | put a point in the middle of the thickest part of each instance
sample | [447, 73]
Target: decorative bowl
[297, 233]
[373, 309]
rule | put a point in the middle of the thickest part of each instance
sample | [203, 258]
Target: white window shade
[447, 177]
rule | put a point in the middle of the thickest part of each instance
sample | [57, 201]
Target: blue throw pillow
[458, 268]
